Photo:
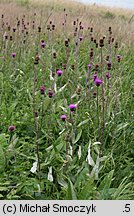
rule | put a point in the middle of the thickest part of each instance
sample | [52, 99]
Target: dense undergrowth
[45, 66]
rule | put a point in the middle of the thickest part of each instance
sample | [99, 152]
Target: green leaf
[62, 88]
[78, 137]
[106, 182]
[121, 126]
[3, 188]
[61, 181]
[82, 123]
[123, 188]
[2, 159]
[1, 196]
[12, 108]
[47, 102]
[71, 195]
[87, 190]
[59, 143]
[3, 140]
[81, 176]
[13, 143]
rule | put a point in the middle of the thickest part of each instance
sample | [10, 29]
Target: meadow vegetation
[66, 95]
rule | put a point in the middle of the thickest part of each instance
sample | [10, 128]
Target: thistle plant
[103, 93]
[79, 132]
[98, 82]
[35, 113]
[42, 92]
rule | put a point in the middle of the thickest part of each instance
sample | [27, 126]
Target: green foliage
[23, 2]
[108, 15]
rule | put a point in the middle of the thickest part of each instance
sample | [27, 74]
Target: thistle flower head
[89, 66]
[75, 33]
[63, 117]
[96, 67]
[80, 38]
[42, 89]
[95, 77]
[59, 72]
[109, 65]
[43, 44]
[94, 94]
[118, 58]
[13, 54]
[35, 114]
[14, 29]
[108, 75]
[72, 107]
[50, 93]
[98, 81]
[11, 128]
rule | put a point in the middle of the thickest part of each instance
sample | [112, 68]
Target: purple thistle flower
[98, 81]
[95, 77]
[89, 66]
[63, 117]
[80, 38]
[13, 54]
[72, 107]
[118, 58]
[43, 44]
[109, 65]
[59, 72]
[108, 75]
[11, 128]
[42, 89]
[75, 33]
[50, 93]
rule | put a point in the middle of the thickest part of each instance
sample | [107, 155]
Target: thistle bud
[35, 114]
[109, 65]
[50, 94]
[97, 45]
[39, 29]
[116, 45]
[91, 29]
[73, 67]
[48, 27]
[112, 40]
[42, 90]
[101, 42]
[74, 23]
[53, 27]
[78, 90]
[109, 29]
[107, 58]
[95, 41]
[64, 66]
[54, 55]
[96, 67]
